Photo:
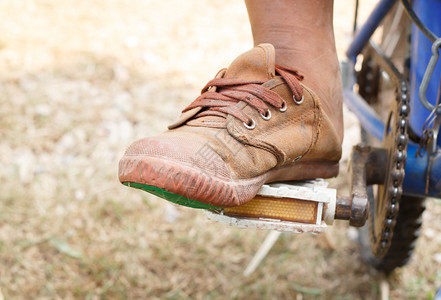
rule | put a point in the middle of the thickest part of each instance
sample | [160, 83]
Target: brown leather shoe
[254, 123]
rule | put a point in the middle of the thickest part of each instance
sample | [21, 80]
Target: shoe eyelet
[284, 107]
[298, 102]
[250, 126]
[266, 116]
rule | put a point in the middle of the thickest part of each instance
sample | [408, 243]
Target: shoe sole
[188, 186]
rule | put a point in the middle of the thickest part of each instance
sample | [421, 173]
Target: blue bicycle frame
[429, 12]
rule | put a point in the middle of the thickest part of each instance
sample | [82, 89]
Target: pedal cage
[300, 206]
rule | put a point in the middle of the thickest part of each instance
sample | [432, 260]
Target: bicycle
[398, 163]
[401, 131]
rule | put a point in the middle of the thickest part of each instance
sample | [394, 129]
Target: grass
[78, 84]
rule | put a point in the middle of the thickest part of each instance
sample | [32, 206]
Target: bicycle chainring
[384, 206]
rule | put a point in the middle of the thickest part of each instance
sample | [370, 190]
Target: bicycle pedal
[300, 206]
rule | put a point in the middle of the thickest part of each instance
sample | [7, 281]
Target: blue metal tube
[416, 170]
[365, 33]
[366, 115]
[416, 167]
[438, 98]
[429, 11]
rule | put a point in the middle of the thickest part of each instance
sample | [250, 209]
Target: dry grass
[78, 82]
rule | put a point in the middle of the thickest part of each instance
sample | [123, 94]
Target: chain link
[396, 174]
[386, 204]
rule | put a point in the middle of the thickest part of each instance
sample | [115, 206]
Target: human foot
[254, 123]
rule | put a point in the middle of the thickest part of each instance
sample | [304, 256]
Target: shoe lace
[222, 100]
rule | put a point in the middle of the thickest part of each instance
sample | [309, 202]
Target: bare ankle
[302, 34]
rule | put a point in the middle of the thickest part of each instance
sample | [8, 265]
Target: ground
[78, 82]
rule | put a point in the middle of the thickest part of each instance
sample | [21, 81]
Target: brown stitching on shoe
[267, 59]
[259, 142]
[289, 122]
[316, 122]
[246, 139]
[257, 139]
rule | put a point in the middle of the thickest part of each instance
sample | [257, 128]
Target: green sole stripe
[170, 196]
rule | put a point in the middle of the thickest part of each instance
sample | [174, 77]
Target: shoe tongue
[255, 64]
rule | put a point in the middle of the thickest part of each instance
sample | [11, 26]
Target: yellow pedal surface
[296, 206]
[286, 209]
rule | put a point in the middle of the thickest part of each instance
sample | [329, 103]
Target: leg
[303, 36]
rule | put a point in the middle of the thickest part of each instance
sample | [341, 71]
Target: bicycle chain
[395, 141]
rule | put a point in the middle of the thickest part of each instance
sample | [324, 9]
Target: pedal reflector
[285, 209]
[301, 206]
